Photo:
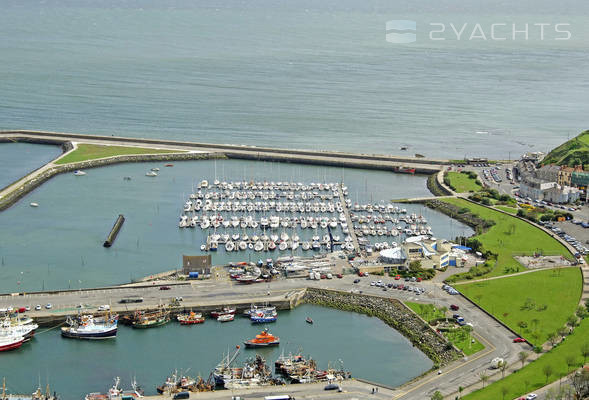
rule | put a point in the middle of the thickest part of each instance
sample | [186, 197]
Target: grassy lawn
[543, 300]
[510, 210]
[510, 236]
[426, 311]
[86, 152]
[532, 376]
[463, 183]
[459, 337]
[464, 341]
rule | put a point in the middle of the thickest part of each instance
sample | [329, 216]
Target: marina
[151, 240]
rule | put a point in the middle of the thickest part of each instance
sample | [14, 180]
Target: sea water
[300, 74]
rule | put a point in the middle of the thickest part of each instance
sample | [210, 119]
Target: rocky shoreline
[393, 313]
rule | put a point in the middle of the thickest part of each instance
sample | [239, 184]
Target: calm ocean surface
[18, 159]
[300, 74]
[59, 244]
[367, 347]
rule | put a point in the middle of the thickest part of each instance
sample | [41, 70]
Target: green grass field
[532, 376]
[543, 300]
[429, 312]
[86, 152]
[469, 345]
[510, 210]
[510, 236]
[463, 183]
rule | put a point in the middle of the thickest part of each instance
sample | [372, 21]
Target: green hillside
[571, 153]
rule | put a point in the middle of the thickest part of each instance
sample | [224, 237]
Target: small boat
[79, 173]
[127, 178]
[151, 173]
[190, 318]
[264, 339]
[169, 165]
[225, 317]
[115, 393]
[151, 320]
[263, 318]
[155, 169]
[403, 148]
[309, 320]
[223, 311]
[87, 327]
[11, 342]
[34, 204]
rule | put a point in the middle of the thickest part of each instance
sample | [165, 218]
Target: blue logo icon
[401, 31]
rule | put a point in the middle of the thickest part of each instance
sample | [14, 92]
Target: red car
[340, 276]
[165, 288]
[419, 279]
[454, 307]
[397, 277]
[519, 340]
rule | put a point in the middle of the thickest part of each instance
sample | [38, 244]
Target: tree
[437, 396]
[484, 378]
[552, 338]
[460, 390]
[580, 383]
[522, 325]
[547, 371]
[535, 322]
[570, 360]
[503, 367]
[562, 331]
[572, 321]
[523, 356]
[585, 351]
[581, 312]
[504, 391]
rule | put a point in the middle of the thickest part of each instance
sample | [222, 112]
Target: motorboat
[87, 327]
[190, 318]
[10, 341]
[151, 173]
[264, 339]
[79, 173]
[224, 310]
[225, 317]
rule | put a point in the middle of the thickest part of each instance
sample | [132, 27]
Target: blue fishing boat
[262, 318]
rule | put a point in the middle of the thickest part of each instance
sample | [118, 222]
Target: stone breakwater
[31, 184]
[393, 313]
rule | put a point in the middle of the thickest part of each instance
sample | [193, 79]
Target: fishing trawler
[36, 395]
[264, 339]
[151, 319]
[88, 327]
[115, 393]
[224, 310]
[190, 318]
[223, 370]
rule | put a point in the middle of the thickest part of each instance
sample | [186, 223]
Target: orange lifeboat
[264, 339]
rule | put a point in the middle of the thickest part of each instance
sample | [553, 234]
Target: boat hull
[11, 346]
[150, 324]
[251, 345]
[109, 334]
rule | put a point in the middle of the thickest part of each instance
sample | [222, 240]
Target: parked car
[519, 340]
[454, 307]
[165, 288]
[104, 307]
[356, 280]
[48, 306]
[38, 307]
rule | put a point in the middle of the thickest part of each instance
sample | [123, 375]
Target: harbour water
[18, 159]
[366, 347]
[59, 244]
[227, 71]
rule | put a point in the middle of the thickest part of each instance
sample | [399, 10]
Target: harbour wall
[32, 135]
[393, 313]
[31, 184]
